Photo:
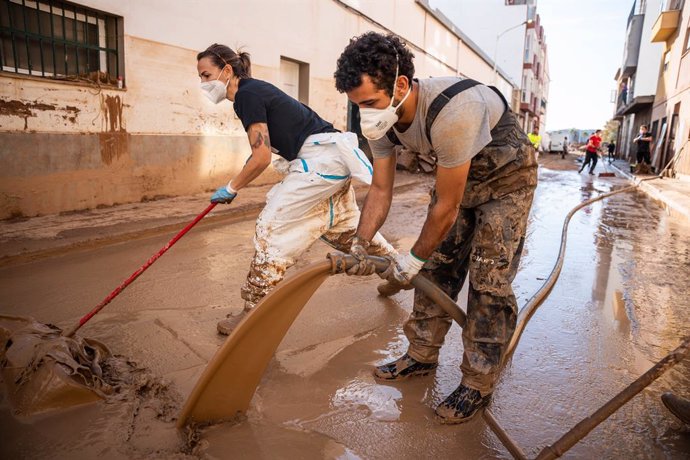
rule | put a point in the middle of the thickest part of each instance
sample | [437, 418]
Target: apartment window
[528, 43]
[62, 40]
[686, 47]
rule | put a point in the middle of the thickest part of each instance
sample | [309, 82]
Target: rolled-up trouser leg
[492, 308]
[428, 323]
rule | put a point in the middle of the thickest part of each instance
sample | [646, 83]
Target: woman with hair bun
[314, 200]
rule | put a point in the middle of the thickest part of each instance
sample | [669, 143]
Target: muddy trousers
[485, 241]
[314, 201]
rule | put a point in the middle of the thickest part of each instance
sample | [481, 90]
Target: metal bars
[55, 38]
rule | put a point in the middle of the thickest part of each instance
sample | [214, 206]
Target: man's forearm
[438, 222]
[374, 213]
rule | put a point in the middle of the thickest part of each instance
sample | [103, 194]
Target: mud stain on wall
[114, 140]
[29, 109]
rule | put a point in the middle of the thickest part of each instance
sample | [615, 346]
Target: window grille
[61, 40]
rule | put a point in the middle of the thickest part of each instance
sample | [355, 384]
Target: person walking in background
[535, 138]
[314, 200]
[592, 155]
[643, 142]
[612, 150]
[565, 147]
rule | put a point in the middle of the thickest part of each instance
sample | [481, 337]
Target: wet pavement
[619, 306]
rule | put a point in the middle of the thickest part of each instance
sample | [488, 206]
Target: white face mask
[375, 123]
[215, 90]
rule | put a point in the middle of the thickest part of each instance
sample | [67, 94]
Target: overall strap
[440, 102]
[390, 134]
[442, 99]
[500, 94]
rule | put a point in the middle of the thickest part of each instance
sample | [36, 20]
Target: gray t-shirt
[461, 129]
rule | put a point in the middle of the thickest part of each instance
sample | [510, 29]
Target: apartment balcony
[628, 106]
[529, 108]
[667, 22]
[631, 50]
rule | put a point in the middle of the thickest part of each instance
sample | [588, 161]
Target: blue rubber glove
[223, 195]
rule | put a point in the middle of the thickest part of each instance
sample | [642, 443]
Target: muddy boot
[461, 405]
[402, 368]
[227, 325]
[677, 406]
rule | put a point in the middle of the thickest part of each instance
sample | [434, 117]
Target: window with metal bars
[61, 40]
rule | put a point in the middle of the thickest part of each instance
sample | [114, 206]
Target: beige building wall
[672, 100]
[69, 146]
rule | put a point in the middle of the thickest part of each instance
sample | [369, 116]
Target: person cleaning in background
[611, 148]
[314, 200]
[643, 142]
[535, 138]
[485, 180]
[591, 152]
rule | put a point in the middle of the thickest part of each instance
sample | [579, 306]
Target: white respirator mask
[375, 123]
[215, 90]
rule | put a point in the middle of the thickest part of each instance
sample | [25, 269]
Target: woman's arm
[260, 142]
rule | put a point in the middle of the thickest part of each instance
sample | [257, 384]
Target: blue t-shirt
[289, 121]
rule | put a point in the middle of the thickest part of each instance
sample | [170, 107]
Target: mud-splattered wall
[66, 146]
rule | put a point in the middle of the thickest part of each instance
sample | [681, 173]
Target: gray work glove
[358, 250]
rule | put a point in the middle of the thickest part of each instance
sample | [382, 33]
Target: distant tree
[610, 131]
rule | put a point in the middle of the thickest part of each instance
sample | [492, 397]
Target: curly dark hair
[373, 54]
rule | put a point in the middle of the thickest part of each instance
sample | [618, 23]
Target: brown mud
[44, 371]
[618, 307]
[57, 387]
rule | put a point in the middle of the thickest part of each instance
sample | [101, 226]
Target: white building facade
[100, 101]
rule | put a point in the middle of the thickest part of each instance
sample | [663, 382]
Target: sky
[585, 48]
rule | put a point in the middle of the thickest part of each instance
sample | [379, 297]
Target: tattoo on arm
[261, 138]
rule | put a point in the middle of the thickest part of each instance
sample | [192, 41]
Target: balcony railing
[667, 22]
[670, 5]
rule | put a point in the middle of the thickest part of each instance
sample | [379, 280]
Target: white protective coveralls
[314, 200]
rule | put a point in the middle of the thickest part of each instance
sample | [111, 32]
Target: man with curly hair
[485, 181]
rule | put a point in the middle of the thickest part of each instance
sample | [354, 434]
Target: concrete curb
[676, 204]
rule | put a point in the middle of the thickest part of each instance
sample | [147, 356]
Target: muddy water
[619, 305]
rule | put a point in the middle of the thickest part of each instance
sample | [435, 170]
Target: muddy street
[619, 306]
